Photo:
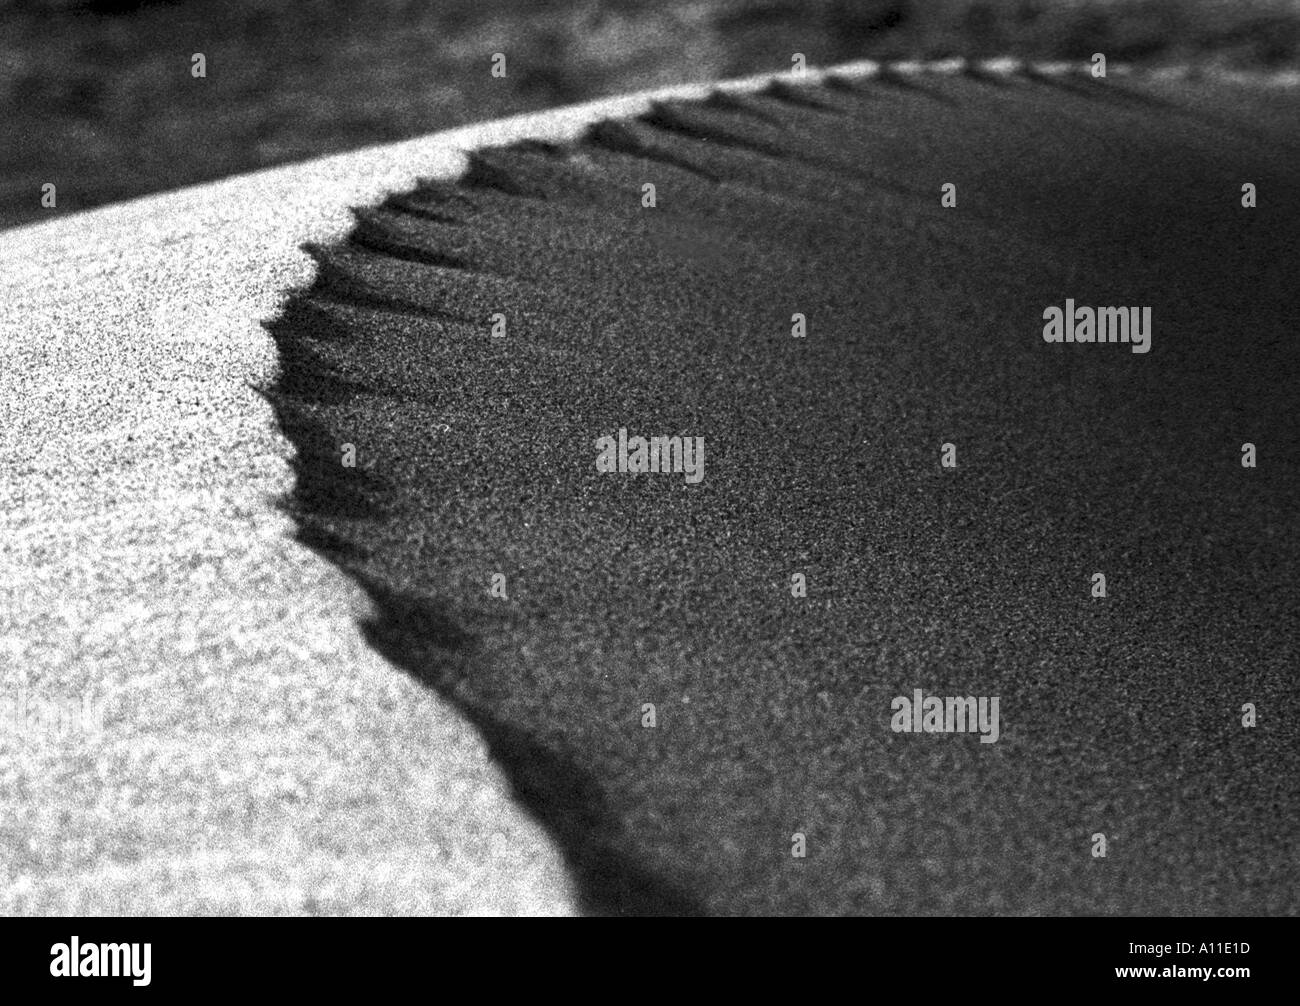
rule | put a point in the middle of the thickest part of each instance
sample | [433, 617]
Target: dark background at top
[97, 97]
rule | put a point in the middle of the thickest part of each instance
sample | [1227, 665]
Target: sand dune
[257, 753]
[784, 723]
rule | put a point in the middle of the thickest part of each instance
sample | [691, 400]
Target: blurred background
[98, 97]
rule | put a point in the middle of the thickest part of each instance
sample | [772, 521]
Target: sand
[257, 755]
[1121, 716]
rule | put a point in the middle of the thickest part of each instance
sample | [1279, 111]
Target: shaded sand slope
[1118, 715]
[255, 755]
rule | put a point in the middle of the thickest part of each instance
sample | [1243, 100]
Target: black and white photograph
[629, 458]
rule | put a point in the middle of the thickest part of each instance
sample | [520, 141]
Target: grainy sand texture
[305, 697]
[476, 460]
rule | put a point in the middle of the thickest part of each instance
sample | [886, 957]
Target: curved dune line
[255, 755]
[246, 721]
